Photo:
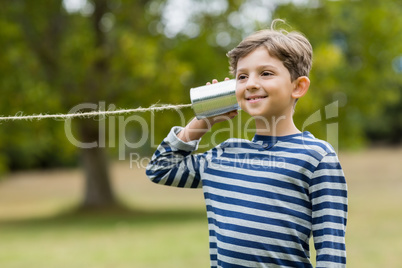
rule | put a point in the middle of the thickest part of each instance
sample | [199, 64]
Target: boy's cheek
[239, 100]
[239, 94]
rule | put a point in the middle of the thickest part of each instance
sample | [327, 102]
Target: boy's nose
[252, 83]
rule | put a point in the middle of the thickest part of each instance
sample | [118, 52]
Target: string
[93, 113]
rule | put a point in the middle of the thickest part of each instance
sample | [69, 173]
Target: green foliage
[355, 44]
[51, 61]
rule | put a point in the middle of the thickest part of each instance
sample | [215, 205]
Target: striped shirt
[265, 198]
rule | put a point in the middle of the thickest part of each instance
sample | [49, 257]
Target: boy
[261, 213]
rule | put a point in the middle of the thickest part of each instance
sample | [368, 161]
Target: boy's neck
[276, 126]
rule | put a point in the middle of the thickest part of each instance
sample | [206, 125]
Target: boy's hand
[197, 128]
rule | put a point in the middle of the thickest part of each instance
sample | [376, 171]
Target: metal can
[214, 99]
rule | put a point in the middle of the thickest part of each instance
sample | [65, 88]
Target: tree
[45, 27]
[101, 53]
[125, 53]
[73, 53]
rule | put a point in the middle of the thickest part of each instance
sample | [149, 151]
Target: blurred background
[62, 206]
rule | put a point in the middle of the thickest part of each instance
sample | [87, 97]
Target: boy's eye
[266, 73]
[242, 76]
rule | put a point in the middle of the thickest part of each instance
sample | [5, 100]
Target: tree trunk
[98, 190]
[45, 37]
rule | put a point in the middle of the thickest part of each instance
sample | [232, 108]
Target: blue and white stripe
[264, 198]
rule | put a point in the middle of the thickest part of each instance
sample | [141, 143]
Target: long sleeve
[328, 194]
[173, 164]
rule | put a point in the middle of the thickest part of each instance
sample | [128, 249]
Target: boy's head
[293, 49]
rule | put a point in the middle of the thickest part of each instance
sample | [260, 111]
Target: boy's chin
[261, 114]
[266, 116]
[258, 115]
[253, 112]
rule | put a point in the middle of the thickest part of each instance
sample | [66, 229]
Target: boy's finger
[232, 114]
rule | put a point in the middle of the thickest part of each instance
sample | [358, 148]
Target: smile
[255, 98]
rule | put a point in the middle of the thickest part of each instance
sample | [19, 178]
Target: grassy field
[167, 226]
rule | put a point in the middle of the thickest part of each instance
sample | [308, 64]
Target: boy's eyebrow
[265, 66]
[268, 66]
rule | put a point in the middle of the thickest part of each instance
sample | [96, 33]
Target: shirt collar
[274, 139]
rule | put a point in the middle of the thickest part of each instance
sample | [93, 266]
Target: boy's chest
[264, 186]
[264, 177]
[259, 170]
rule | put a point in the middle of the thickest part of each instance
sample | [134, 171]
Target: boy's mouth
[255, 98]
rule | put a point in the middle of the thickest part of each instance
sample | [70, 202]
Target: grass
[142, 240]
[167, 226]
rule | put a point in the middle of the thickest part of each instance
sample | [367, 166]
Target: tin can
[214, 99]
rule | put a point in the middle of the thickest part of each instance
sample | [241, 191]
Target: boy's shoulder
[303, 143]
[316, 147]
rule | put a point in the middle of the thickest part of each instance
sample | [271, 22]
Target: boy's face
[264, 87]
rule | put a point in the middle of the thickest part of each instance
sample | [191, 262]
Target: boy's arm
[172, 163]
[197, 128]
[328, 194]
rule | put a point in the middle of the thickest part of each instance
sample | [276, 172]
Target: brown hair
[292, 48]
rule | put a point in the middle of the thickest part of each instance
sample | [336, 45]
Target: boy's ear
[301, 87]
